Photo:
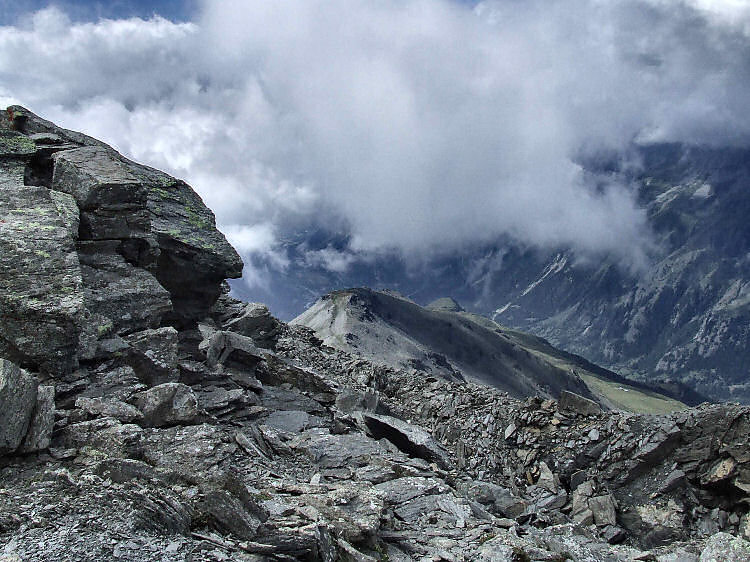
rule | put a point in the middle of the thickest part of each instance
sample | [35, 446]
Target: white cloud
[421, 124]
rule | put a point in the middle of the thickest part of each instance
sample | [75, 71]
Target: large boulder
[168, 404]
[412, 440]
[161, 223]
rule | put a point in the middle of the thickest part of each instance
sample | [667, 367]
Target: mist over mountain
[413, 127]
[685, 317]
[499, 152]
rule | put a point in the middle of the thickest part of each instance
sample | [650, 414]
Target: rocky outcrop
[93, 246]
[140, 433]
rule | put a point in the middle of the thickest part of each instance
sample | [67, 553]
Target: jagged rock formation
[95, 247]
[444, 340]
[192, 427]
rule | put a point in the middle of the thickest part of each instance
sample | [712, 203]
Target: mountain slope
[444, 341]
[684, 318]
[688, 316]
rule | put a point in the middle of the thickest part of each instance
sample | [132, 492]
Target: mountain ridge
[685, 318]
[447, 342]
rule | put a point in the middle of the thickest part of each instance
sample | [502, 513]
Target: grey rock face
[256, 322]
[161, 223]
[578, 404]
[18, 398]
[110, 407]
[120, 297]
[41, 298]
[153, 355]
[230, 348]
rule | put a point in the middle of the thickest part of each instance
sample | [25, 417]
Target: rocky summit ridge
[146, 414]
[445, 341]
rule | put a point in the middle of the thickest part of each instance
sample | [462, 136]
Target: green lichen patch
[16, 144]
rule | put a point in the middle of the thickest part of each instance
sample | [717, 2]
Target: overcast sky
[421, 125]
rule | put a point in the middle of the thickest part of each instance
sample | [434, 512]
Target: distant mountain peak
[448, 304]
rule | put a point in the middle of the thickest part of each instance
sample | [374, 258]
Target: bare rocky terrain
[145, 414]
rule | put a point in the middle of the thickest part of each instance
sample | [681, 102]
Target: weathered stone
[743, 529]
[159, 221]
[228, 347]
[349, 401]
[547, 480]
[42, 421]
[498, 499]
[292, 421]
[674, 480]
[445, 506]
[256, 322]
[659, 445]
[105, 434]
[402, 490]
[110, 407]
[510, 431]
[125, 470]
[160, 512]
[15, 145]
[723, 547]
[570, 401]
[227, 513]
[168, 404]
[355, 511]
[603, 508]
[350, 554]
[41, 299]
[583, 517]
[120, 297]
[496, 550]
[410, 439]
[722, 470]
[98, 178]
[18, 399]
[153, 355]
[614, 534]
[190, 247]
[334, 451]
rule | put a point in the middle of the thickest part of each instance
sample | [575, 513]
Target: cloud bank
[419, 125]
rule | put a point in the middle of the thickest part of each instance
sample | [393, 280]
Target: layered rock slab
[41, 290]
[93, 246]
